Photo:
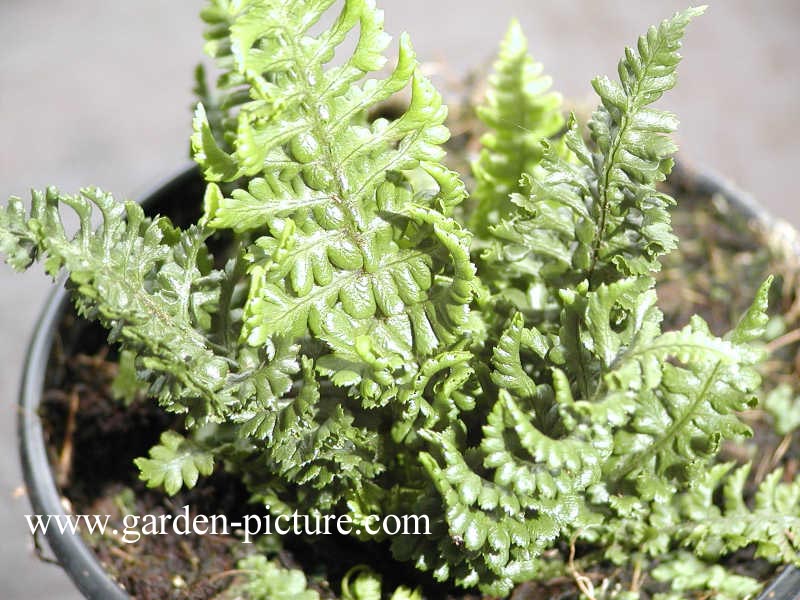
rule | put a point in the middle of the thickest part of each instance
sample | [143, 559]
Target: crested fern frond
[502, 536]
[712, 518]
[523, 492]
[345, 236]
[544, 243]
[689, 386]
[154, 288]
[306, 448]
[149, 284]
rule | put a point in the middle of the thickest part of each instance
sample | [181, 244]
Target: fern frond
[312, 443]
[149, 284]
[155, 290]
[712, 518]
[511, 497]
[685, 408]
[501, 536]
[699, 383]
[772, 525]
[634, 152]
[598, 216]
[544, 243]
[520, 113]
[346, 237]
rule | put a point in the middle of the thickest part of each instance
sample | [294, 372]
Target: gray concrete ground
[96, 92]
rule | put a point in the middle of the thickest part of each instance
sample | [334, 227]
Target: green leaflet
[508, 371]
[175, 462]
[266, 580]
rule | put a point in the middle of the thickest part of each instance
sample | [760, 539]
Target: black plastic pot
[70, 550]
[72, 553]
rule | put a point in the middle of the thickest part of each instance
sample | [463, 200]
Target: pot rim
[783, 238]
[72, 553]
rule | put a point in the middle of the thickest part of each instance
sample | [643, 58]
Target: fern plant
[366, 346]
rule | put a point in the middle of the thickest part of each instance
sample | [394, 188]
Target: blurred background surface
[99, 93]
